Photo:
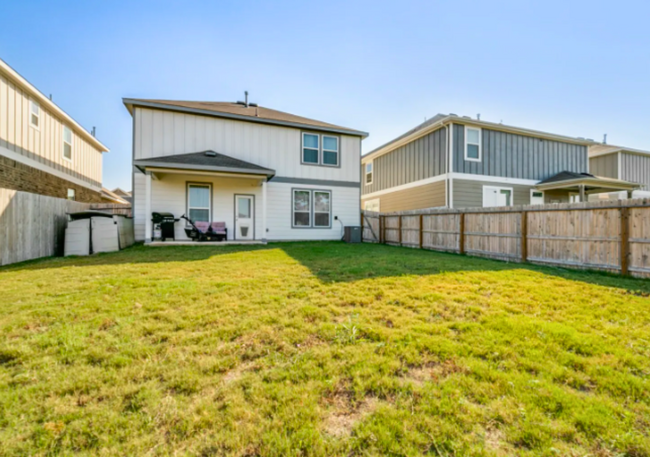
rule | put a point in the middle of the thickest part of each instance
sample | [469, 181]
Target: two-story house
[267, 174]
[460, 162]
[42, 149]
[619, 162]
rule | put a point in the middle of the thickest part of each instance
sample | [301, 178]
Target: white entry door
[244, 217]
[497, 196]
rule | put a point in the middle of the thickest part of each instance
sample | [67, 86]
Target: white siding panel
[345, 205]
[169, 194]
[266, 145]
[42, 147]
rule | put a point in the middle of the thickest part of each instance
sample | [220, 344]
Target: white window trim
[365, 172]
[512, 194]
[374, 201]
[320, 150]
[329, 208]
[480, 144]
[312, 209]
[323, 150]
[38, 115]
[531, 195]
[293, 208]
[209, 208]
[574, 196]
[63, 143]
[303, 147]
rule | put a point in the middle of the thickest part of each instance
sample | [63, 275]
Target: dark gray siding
[636, 168]
[419, 159]
[426, 196]
[517, 156]
[606, 166]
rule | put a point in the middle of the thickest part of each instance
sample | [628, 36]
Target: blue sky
[573, 67]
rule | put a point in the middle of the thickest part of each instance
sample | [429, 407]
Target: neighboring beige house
[42, 149]
[110, 196]
[621, 163]
[460, 162]
[266, 174]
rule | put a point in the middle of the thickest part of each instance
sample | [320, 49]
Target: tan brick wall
[17, 176]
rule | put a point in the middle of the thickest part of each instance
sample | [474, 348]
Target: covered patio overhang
[585, 184]
[207, 164]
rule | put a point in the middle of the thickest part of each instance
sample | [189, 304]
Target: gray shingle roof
[566, 176]
[205, 160]
[239, 111]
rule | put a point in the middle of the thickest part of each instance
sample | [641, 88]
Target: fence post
[400, 229]
[421, 231]
[625, 240]
[363, 216]
[382, 221]
[524, 236]
[461, 233]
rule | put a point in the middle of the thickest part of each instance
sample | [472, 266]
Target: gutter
[161, 166]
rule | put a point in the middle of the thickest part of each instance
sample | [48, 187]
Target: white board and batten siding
[160, 133]
[169, 194]
[42, 147]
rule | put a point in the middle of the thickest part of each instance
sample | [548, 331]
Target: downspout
[450, 166]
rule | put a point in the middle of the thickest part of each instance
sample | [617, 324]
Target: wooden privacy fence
[113, 208]
[612, 235]
[32, 225]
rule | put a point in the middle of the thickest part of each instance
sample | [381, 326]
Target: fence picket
[609, 235]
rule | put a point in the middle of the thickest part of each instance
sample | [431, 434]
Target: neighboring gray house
[621, 163]
[459, 162]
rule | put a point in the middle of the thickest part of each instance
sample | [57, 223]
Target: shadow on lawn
[336, 262]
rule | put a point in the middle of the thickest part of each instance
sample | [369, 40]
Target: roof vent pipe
[246, 98]
[478, 117]
[605, 139]
[93, 131]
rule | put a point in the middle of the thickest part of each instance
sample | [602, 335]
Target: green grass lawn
[320, 349]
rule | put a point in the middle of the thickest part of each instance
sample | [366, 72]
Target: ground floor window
[311, 208]
[536, 197]
[72, 194]
[497, 196]
[371, 205]
[198, 202]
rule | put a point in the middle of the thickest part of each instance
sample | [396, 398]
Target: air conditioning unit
[352, 234]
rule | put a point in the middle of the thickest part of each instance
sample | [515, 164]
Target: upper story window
[34, 114]
[473, 144]
[368, 173]
[67, 143]
[320, 149]
[310, 148]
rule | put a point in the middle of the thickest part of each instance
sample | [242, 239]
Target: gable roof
[111, 195]
[440, 120]
[45, 102]
[205, 161]
[238, 111]
[566, 179]
[566, 176]
[605, 149]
